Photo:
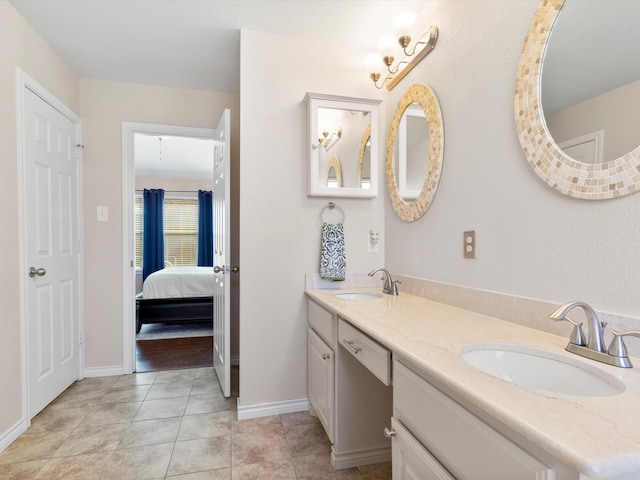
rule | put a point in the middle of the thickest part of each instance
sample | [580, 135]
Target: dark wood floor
[173, 353]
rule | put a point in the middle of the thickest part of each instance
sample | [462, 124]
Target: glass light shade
[388, 44]
[372, 62]
[403, 24]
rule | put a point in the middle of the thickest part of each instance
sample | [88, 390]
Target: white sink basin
[538, 370]
[357, 296]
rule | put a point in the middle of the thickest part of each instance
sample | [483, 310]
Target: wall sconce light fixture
[328, 140]
[412, 56]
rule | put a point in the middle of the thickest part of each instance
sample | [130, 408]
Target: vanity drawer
[370, 353]
[322, 322]
[466, 446]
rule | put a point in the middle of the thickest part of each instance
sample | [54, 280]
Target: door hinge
[80, 339]
[79, 148]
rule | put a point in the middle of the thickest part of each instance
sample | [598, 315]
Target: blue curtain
[205, 229]
[152, 231]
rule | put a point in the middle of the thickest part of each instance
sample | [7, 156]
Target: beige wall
[20, 47]
[531, 241]
[279, 224]
[104, 106]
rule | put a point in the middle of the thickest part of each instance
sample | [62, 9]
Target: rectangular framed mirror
[342, 147]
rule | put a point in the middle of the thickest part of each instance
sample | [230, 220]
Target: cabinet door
[469, 448]
[321, 373]
[411, 461]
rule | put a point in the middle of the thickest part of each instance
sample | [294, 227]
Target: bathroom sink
[539, 370]
[357, 296]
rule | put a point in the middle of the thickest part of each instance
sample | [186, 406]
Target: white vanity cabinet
[352, 399]
[442, 431]
[321, 366]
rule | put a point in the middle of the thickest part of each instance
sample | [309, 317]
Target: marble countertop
[597, 436]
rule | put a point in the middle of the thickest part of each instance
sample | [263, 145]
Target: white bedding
[179, 282]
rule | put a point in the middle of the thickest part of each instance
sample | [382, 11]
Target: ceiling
[175, 157]
[193, 43]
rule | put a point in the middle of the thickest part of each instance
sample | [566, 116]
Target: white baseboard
[10, 436]
[356, 458]
[273, 408]
[104, 371]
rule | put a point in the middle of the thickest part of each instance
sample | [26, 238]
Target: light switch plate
[103, 214]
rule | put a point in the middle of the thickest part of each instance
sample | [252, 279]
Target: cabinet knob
[389, 432]
[326, 356]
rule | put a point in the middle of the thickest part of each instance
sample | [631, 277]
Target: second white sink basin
[539, 370]
[358, 296]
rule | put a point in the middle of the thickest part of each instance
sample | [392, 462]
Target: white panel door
[52, 251]
[222, 254]
[585, 148]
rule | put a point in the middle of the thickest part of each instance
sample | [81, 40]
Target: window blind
[180, 231]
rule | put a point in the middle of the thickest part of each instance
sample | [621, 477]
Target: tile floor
[168, 425]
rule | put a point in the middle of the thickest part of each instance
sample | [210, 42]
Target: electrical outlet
[470, 244]
[372, 241]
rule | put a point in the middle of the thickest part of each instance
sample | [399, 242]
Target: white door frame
[129, 129]
[23, 80]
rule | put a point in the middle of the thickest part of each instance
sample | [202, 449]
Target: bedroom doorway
[173, 332]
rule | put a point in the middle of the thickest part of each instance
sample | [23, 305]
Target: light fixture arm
[395, 75]
[328, 140]
[388, 61]
[375, 77]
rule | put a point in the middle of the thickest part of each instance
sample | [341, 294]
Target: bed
[176, 294]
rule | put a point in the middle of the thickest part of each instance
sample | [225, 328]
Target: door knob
[389, 432]
[33, 271]
[224, 269]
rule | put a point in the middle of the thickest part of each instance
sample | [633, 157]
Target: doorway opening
[167, 317]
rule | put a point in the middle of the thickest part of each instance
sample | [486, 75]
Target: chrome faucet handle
[595, 340]
[394, 287]
[389, 286]
[577, 334]
[617, 348]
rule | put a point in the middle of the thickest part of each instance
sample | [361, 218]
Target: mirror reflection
[343, 146]
[415, 147]
[590, 84]
[411, 152]
[364, 159]
[334, 173]
[339, 137]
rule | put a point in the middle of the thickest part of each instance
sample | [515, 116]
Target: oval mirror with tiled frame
[424, 96]
[613, 179]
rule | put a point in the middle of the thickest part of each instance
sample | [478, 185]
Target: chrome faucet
[594, 347]
[389, 286]
[595, 339]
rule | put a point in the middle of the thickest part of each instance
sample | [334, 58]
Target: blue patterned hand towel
[332, 258]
